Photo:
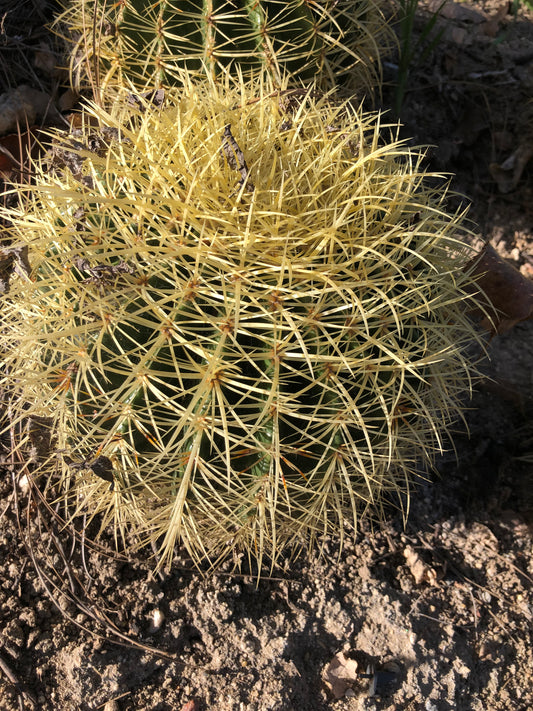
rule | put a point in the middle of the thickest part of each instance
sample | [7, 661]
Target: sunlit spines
[151, 44]
[256, 365]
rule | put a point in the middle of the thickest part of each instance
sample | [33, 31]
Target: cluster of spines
[155, 43]
[252, 363]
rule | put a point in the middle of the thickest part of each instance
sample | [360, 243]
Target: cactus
[151, 43]
[242, 314]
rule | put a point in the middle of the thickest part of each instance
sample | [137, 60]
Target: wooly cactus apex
[152, 43]
[242, 315]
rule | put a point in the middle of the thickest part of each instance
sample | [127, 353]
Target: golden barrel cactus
[243, 315]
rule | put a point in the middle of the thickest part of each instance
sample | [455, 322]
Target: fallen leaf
[493, 24]
[457, 11]
[67, 100]
[421, 572]
[506, 294]
[16, 148]
[508, 174]
[340, 674]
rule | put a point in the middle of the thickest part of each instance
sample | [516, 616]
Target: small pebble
[158, 618]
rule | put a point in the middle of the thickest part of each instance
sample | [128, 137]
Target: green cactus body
[152, 43]
[262, 334]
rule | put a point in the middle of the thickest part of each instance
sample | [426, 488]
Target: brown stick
[236, 159]
[4, 666]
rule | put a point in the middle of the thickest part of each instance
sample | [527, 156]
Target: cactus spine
[249, 318]
[152, 43]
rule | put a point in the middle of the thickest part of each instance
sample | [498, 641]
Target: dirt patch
[437, 612]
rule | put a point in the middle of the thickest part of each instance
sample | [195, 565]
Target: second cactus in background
[151, 43]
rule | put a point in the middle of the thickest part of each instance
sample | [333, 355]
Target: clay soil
[437, 611]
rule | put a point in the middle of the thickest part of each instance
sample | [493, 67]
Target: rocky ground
[432, 614]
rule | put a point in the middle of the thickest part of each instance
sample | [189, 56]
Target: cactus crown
[152, 43]
[244, 311]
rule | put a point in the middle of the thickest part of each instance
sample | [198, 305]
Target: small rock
[157, 619]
